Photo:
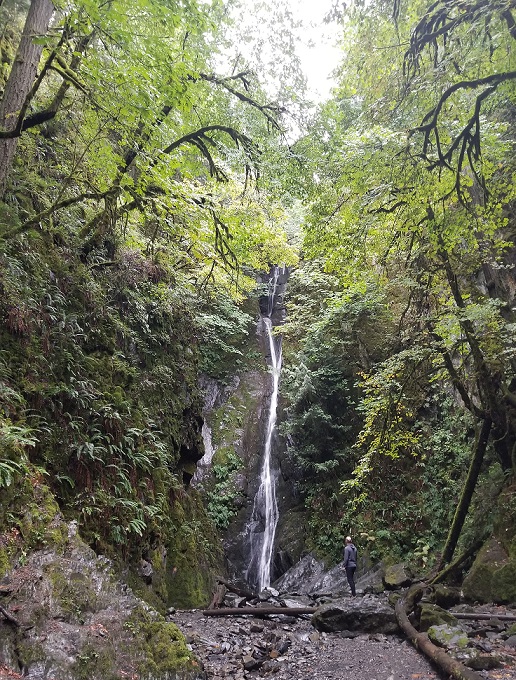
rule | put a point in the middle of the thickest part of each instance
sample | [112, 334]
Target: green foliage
[321, 382]
[222, 493]
[224, 328]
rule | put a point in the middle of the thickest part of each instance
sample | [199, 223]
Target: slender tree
[22, 84]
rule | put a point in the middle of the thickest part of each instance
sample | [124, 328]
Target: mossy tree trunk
[467, 492]
[19, 86]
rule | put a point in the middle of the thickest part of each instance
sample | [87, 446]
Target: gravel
[284, 648]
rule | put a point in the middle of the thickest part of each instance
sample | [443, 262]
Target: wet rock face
[75, 621]
[302, 577]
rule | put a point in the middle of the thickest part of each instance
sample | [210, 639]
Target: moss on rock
[492, 578]
[160, 645]
[433, 615]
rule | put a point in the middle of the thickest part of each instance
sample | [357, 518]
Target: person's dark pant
[350, 575]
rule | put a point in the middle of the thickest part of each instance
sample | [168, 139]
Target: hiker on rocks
[350, 563]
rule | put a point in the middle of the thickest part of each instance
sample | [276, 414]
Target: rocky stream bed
[288, 647]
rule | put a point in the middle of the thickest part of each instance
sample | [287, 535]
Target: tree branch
[33, 221]
[268, 110]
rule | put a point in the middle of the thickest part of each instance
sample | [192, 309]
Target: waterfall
[264, 517]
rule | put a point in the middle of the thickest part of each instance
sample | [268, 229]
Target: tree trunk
[454, 567]
[21, 79]
[467, 493]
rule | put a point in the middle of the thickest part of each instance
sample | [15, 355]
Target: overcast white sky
[258, 31]
[317, 44]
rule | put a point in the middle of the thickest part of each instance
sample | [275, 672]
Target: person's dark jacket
[350, 555]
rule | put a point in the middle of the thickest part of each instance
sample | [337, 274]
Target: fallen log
[483, 617]
[258, 611]
[247, 594]
[422, 642]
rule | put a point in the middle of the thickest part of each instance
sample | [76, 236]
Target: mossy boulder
[492, 578]
[397, 576]
[433, 615]
[76, 619]
[445, 596]
[450, 637]
[483, 662]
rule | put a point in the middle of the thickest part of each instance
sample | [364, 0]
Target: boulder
[492, 578]
[449, 637]
[433, 615]
[397, 576]
[372, 580]
[368, 614]
[483, 662]
[301, 577]
[79, 621]
[333, 581]
[445, 596]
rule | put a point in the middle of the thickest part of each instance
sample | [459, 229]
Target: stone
[483, 662]
[511, 641]
[433, 615]
[397, 576]
[251, 664]
[492, 578]
[371, 581]
[450, 637]
[445, 596]
[369, 615]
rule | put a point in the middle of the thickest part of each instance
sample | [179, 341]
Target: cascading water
[264, 518]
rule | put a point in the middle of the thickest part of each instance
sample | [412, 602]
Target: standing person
[350, 563]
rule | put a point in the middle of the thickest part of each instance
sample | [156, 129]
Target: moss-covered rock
[397, 576]
[77, 621]
[433, 615]
[445, 596]
[492, 578]
[450, 637]
[160, 645]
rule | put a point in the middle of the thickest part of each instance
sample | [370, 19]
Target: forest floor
[288, 648]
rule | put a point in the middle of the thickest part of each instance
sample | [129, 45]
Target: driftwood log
[422, 642]
[484, 617]
[259, 611]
